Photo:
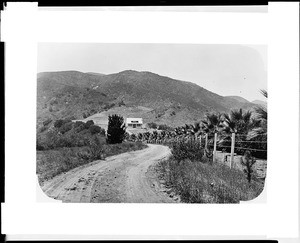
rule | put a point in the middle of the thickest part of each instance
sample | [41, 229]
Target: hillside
[238, 98]
[167, 101]
[260, 102]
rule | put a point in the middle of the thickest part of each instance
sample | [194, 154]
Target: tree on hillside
[116, 129]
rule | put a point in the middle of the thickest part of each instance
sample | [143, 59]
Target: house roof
[134, 120]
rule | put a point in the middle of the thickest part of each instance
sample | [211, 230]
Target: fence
[221, 143]
[224, 142]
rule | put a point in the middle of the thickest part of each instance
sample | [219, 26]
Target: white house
[134, 122]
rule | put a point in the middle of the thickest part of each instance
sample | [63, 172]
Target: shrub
[79, 126]
[248, 163]
[58, 123]
[51, 139]
[121, 103]
[152, 125]
[95, 150]
[108, 106]
[43, 128]
[88, 124]
[164, 127]
[94, 129]
[66, 127]
[39, 145]
[182, 150]
[47, 122]
[116, 129]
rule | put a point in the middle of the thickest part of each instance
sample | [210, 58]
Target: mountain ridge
[174, 102]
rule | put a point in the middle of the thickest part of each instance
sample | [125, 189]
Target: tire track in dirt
[119, 178]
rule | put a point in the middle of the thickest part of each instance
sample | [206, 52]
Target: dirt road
[121, 178]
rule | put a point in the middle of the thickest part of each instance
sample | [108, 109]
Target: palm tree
[146, 136]
[262, 116]
[162, 135]
[179, 132]
[168, 136]
[127, 136]
[241, 123]
[238, 121]
[154, 136]
[133, 137]
[193, 131]
[197, 129]
[211, 123]
[140, 136]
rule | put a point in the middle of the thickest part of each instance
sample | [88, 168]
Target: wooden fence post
[200, 140]
[232, 149]
[206, 140]
[215, 148]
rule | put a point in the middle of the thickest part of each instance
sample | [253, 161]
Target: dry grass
[198, 182]
[53, 162]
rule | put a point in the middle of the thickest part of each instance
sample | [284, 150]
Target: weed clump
[207, 183]
[191, 150]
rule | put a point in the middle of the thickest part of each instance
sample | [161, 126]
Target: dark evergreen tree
[116, 129]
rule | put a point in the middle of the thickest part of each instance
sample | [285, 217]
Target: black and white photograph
[151, 123]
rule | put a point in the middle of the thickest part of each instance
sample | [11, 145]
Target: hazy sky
[223, 69]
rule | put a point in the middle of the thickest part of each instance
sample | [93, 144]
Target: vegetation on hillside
[65, 133]
[174, 102]
[65, 145]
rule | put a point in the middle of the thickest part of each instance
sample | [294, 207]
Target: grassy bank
[198, 182]
[53, 162]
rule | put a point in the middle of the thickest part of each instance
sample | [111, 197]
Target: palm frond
[264, 93]
[261, 112]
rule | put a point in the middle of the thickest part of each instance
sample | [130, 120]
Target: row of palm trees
[249, 126]
[238, 121]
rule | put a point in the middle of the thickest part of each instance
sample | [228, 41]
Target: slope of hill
[238, 98]
[260, 102]
[172, 102]
[98, 74]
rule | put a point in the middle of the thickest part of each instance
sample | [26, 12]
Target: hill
[260, 102]
[99, 74]
[238, 98]
[167, 101]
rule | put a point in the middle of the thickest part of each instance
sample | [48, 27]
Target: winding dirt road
[121, 178]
